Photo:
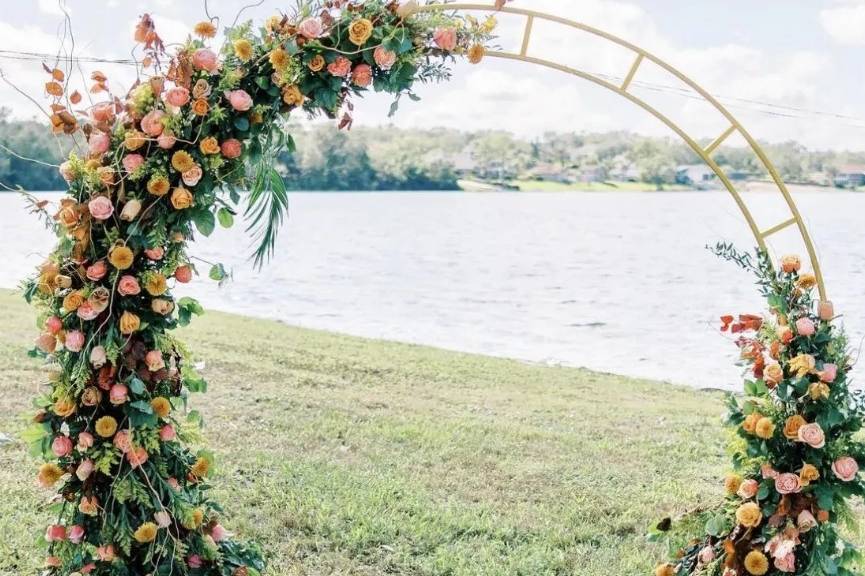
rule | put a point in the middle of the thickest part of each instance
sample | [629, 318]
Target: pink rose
[183, 274]
[132, 162]
[54, 324]
[192, 176]
[748, 489]
[98, 143]
[128, 286]
[445, 38]
[118, 394]
[812, 435]
[231, 148]
[167, 433]
[84, 470]
[152, 123]
[66, 171]
[137, 457]
[362, 75]
[384, 58]
[46, 342]
[98, 356]
[340, 67]
[76, 534]
[106, 553]
[177, 96]
[166, 140]
[310, 28]
[175, 485]
[205, 59]
[122, 441]
[62, 446]
[155, 253]
[218, 533]
[706, 555]
[787, 483]
[85, 441]
[97, 270]
[194, 561]
[154, 360]
[88, 568]
[804, 327]
[86, 312]
[100, 207]
[74, 340]
[829, 373]
[102, 112]
[55, 533]
[845, 468]
[240, 100]
[786, 563]
[805, 521]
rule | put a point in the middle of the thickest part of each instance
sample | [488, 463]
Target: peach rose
[205, 59]
[829, 372]
[773, 374]
[181, 198]
[89, 506]
[805, 521]
[154, 360]
[119, 394]
[66, 171]
[310, 28]
[132, 162]
[155, 253]
[787, 483]
[46, 342]
[748, 489]
[192, 176]
[766, 471]
[98, 143]
[177, 96]
[825, 310]
[240, 100]
[786, 563]
[804, 327]
[792, 425]
[106, 553]
[96, 271]
[785, 335]
[74, 340]
[812, 435]
[85, 441]
[137, 456]
[845, 468]
[183, 274]
[152, 123]
[340, 67]
[166, 140]
[128, 286]
[445, 38]
[86, 312]
[790, 264]
[384, 58]
[55, 533]
[91, 396]
[61, 446]
[122, 441]
[209, 145]
[362, 75]
[231, 148]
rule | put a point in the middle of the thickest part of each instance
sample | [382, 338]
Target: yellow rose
[200, 107]
[750, 423]
[756, 563]
[808, 474]
[155, 284]
[278, 59]
[121, 257]
[802, 365]
[129, 323]
[72, 301]
[146, 533]
[181, 198]
[476, 53]
[242, 49]
[765, 428]
[182, 161]
[292, 96]
[818, 391]
[133, 139]
[209, 145]
[158, 185]
[64, 407]
[317, 63]
[360, 31]
[749, 515]
[732, 483]
[106, 426]
[161, 406]
[792, 425]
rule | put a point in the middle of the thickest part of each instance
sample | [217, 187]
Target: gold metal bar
[637, 61]
[778, 227]
[719, 139]
[527, 34]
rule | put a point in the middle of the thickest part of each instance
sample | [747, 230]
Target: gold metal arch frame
[640, 56]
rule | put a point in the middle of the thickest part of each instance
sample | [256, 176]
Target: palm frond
[266, 208]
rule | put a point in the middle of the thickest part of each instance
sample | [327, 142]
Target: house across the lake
[697, 175]
[850, 176]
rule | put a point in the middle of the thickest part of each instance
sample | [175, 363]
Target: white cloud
[845, 23]
[53, 7]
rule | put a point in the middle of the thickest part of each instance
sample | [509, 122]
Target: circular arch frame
[705, 153]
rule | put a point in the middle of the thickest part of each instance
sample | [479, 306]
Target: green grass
[343, 455]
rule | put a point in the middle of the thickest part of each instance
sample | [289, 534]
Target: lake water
[618, 282]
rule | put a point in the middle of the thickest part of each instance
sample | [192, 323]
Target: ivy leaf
[225, 217]
[217, 273]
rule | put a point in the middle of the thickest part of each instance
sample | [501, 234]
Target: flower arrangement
[795, 450]
[159, 165]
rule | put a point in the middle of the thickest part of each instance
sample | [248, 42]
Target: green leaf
[217, 272]
[142, 406]
[136, 385]
[225, 217]
[267, 205]
[241, 123]
[204, 221]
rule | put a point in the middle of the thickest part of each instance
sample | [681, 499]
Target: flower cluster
[162, 163]
[795, 453]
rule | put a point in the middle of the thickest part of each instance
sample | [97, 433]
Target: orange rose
[200, 107]
[73, 301]
[209, 145]
[181, 198]
[792, 425]
[317, 63]
[69, 214]
[360, 31]
[750, 423]
[64, 407]
[129, 323]
[292, 95]
[790, 264]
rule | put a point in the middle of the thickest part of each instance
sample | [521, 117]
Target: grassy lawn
[351, 456]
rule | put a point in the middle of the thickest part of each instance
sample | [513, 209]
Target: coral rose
[183, 274]
[445, 38]
[98, 143]
[132, 162]
[100, 208]
[122, 441]
[86, 312]
[812, 435]
[119, 394]
[749, 515]
[240, 100]
[205, 59]
[829, 372]
[340, 67]
[181, 198]
[362, 75]
[129, 323]
[787, 483]
[748, 489]
[155, 253]
[231, 148]
[845, 468]
[128, 286]
[89, 506]
[152, 123]
[384, 58]
[310, 28]
[55, 533]
[137, 456]
[177, 96]
[166, 140]
[61, 446]
[825, 310]
[54, 324]
[74, 340]
[96, 271]
[804, 327]
[154, 360]
[790, 264]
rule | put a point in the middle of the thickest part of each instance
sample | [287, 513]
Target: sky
[787, 69]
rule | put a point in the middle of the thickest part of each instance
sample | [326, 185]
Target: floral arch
[166, 161]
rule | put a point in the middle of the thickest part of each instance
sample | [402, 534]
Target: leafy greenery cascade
[161, 164]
